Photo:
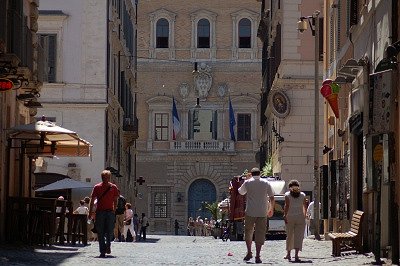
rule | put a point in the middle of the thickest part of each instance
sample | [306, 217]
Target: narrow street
[177, 250]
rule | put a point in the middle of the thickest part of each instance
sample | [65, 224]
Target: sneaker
[102, 255]
[248, 256]
[108, 250]
[116, 240]
[258, 260]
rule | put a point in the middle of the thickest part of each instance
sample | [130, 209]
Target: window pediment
[245, 13]
[202, 13]
[162, 13]
[159, 102]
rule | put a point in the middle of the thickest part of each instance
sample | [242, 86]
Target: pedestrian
[176, 226]
[313, 225]
[119, 218]
[106, 195]
[257, 192]
[128, 222]
[82, 209]
[135, 221]
[190, 226]
[295, 219]
[145, 224]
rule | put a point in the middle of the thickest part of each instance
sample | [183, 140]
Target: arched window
[244, 33]
[203, 33]
[162, 33]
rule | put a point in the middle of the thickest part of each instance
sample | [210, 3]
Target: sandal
[248, 256]
[258, 260]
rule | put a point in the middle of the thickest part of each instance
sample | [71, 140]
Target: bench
[351, 240]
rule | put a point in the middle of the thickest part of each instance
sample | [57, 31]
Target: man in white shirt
[310, 215]
[257, 192]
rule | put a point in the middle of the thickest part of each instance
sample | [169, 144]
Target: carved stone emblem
[222, 89]
[184, 90]
[203, 80]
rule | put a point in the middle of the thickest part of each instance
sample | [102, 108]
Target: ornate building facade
[200, 56]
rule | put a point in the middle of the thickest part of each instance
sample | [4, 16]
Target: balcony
[130, 129]
[193, 145]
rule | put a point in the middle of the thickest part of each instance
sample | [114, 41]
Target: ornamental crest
[203, 80]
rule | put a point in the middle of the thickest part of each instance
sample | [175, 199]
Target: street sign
[5, 84]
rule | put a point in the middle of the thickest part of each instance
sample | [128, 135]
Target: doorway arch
[201, 190]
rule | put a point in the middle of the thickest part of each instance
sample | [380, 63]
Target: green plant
[213, 209]
[267, 169]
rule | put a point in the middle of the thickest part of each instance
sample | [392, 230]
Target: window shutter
[52, 46]
[215, 125]
[353, 12]
[339, 18]
[190, 124]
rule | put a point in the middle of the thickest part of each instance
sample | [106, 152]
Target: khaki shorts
[260, 225]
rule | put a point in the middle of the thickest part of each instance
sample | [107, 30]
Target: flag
[232, 121]
[175, 120]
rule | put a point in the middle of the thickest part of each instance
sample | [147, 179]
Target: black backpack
[120, 205]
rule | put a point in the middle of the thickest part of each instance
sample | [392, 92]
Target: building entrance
[201, 190]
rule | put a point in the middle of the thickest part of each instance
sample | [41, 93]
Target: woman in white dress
[128, 224]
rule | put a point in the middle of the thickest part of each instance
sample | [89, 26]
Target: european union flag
[232, 121]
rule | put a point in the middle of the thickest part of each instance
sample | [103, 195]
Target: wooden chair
[351, 240]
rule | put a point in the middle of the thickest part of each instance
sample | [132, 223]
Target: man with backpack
[119, 218]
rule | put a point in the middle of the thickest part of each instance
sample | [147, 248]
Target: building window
[203, 125]
[244, 127]
[160, 202]
[203, 33]
[161, 126]
[162, 33]
[244, 33]
[49, 44]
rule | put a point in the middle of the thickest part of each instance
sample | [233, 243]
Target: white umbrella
[44, 138]
[66, 183]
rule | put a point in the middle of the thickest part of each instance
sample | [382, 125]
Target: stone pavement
[176, 250]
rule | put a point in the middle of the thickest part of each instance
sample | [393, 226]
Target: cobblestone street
[177, 250]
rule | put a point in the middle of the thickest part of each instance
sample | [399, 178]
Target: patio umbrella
[66, 183]
[45, 138]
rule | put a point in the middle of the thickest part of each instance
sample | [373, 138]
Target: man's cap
[255, 169]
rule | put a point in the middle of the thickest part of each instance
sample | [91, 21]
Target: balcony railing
[192, 145]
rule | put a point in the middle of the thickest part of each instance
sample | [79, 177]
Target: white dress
[129, 215]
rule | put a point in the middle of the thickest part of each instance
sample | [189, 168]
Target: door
[201, 190]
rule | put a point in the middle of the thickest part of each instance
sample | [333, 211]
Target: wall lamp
[326, 150]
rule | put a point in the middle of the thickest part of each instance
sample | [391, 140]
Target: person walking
[257, 192]
[128, 222]
[310, 216]
[176, 226]
[135, 221]
[105, 194]
[119, 218]
[295, 219]
[145, 224]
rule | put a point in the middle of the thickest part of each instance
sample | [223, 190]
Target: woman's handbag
[128, 222]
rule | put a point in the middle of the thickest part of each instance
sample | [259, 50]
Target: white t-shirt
[82, 210]
[310, 210]
[257, 192]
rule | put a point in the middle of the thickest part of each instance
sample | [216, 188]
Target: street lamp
[313, 21]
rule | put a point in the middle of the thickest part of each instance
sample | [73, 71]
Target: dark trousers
[143, 232]
[105, 221]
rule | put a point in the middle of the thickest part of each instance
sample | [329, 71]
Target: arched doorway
[201, 190]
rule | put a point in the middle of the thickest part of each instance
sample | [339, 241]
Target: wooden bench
[351, 240]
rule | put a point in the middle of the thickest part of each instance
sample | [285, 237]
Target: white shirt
[82, 210]
[257, 191]
[310, 210]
